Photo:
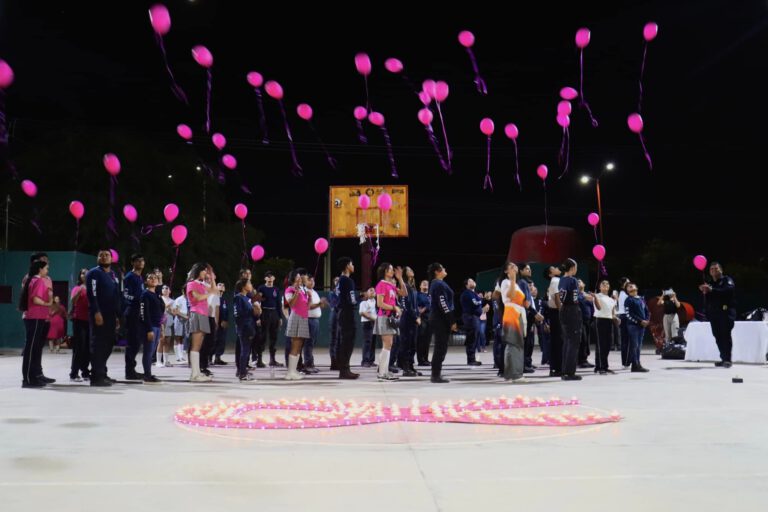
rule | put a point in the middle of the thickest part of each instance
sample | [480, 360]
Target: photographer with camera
[671, 321]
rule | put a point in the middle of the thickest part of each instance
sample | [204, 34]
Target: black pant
[586, 336]
[528, 347]
[603, 343]
[369, 344]
[555, 342]
[407, 342]
[441, 330]
[269, 323]
[626, 358]
[347, 332]
[721, 324]
[102, 341]
[245, 337]
[32, 356]
[221, 341]
[81, 355]
[471, 326]
[423, 340]
[209, 344]
[571, 322]
[134, 341]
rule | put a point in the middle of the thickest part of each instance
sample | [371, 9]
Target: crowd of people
[407, 318]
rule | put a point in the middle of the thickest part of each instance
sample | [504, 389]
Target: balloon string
[433, 140]
[360, 132]
[448, 151]
[331, 160]
[487, 182]
[564, 155]
[208, 101]
[479, 82]
[517, 167]
[296, 170]
[645, 151]
[546, 222]
[111, 226]
[367, 96]
[135, 239]
[262, 117]
[582, 99]
[173, 268]
[244, 259]
[389, 151]
[640, 82]
[175, 87]
[146, 230]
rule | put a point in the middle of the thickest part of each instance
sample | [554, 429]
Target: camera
[669, 292]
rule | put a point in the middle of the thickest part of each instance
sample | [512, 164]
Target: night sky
[704, 113]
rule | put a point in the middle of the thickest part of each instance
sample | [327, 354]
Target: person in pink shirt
[199, 286]
[57, 325]
[297, 328]
[35, 301]
[390, 285]
[81, 352]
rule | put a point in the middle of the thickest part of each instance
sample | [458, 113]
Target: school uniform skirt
[199, 323]
[382, 327]
[297, 326]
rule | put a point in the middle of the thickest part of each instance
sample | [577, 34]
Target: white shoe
[293, 376]
[388, 376]
[247, 378]
[76, 379]
[159, 365]
[200, 378]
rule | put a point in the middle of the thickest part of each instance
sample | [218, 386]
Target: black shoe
[571, 377]
[271, 363]
[610, 372]
[424, 363]
[219, 361]
[151, 379]
[394, 369]
[366, 365]
[45, 380]
[727, 364]
[439, 380]
[529, 369]
[335, 366]
[101, 383]
[636, 368]
[586, 364]
[603, 372]
[33, 384]
[474, 363]
[110, 380]
[206, 372]
[410, 373]
[348, 375]
[133, 376]
[720, 364]
[499, 373]
[260, 364]
[418, 373]
[553, 373]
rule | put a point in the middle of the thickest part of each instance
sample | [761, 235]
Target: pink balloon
[115, 255]
[112, 164]
[429, 87]
[360, 113]
[241, 211]
[466, 38]
[568, 93]
[229, 161]
[598, 252]
[202, 56]
[650, 31]
[563, 120]
[130, 213]
[304, 111]
[29, 188]
[184, 131]
[6, 75]
[274, 89]
[511, 131]
[170, 212]
[160, 19]
[564, 108]
[635, 123]
[376, 118]
[700, 262]
[364, 201]
[255, 79]
[425, 116]
[593, 219]
[363, 64]
[393, 65]
[257, 252]
[542, 172]
[582, 37]
[425, 98]
[77, 209]
[321, 245]
[486, 126]
[385, 202]
[441, 91]
[179, 234]
[219, 141]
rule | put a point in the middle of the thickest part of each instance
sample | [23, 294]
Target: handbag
[393, 322]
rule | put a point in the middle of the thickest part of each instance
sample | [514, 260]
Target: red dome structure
[527, 244]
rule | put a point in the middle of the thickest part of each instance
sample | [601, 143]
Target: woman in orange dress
[513, 325]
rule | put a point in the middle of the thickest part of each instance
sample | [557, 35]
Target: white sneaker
[388, 376]
[293, 376]
[247, 378]
[76, 379]
[159, 365]
[200, 378]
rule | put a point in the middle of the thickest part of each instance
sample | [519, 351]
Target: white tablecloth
[750, 342]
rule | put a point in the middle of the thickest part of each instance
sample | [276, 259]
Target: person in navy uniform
[151, 309]
[133, 287]
[539, 324]
[245, 313]
[441, 318]
[409, 324]
[471, 309]
[221, 331]
[587, 325]
[333, 320]
[638, 318]
[347, 309]
[271, 318]
[721, 310]
[525, 283]
[104, 302]
[567, 302]
[425, 334]
[497, 305]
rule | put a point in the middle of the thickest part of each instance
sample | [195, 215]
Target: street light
[585, 179]
[610, 166]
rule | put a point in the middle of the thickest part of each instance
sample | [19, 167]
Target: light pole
[609, 167]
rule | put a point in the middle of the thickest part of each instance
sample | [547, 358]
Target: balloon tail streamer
[436, 147]
[146, 230]
[389, 151]
[175, 87]
[36, 221]
[645, 151]
[173, 268]
[582, 101]
[367, 95]
[111, 226]
[546, 221]
[640, 82]
[245, 245]
[360, 132]
[375, 248]
[479, 82]
[136, 241]
[262, 116]
[209, 75]
[517, 167]
[487, 182]
[331, 160]
[448, 151]
[296, 169]
[565, 151]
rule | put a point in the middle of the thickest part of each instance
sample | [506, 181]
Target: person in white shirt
[368, 319]
[605, 319]
[621, 298]
[553, 312]
[166, 337]
[180, 310]
[209, 342]
[315, 312]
